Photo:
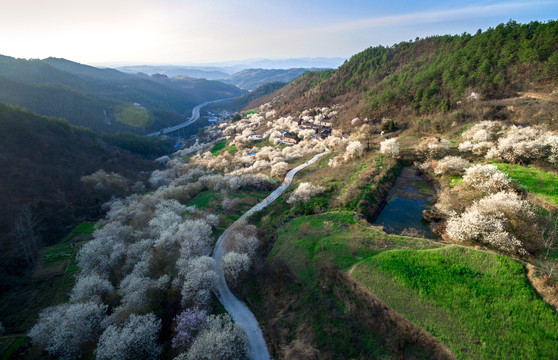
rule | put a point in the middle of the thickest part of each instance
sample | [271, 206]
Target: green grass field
[538, 182]
[222, 146]
[480, 304]
[133, 115]
[218, 147]
[308, 241]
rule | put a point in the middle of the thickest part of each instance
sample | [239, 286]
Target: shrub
[388, 125]
[390, 147]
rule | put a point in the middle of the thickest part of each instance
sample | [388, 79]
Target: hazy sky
[182, 31]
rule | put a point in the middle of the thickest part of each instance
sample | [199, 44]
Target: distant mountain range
[220, 70]
[247, 74]
[105, 100]
[251, 79]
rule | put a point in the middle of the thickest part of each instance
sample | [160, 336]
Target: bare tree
[549, 235]
[26, 232]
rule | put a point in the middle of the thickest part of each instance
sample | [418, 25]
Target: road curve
[195, 116]
[240, 313]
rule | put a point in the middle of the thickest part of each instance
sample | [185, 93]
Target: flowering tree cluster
[451, 165]
[487, 178]
[501, 220]
[304, 192]
[101, 180]
[135, 339]
[433, 148]
[151, 252]
[494, 140]
[219, 339]
[486, 209]
[63, 329]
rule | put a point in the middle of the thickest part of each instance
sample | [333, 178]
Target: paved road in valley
[195, 116]
[240, 313]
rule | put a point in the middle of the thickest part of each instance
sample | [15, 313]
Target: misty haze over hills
[220, 70]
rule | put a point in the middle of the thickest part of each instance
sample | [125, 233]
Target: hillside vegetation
[95, 98]
[42, 161]
[432, 75]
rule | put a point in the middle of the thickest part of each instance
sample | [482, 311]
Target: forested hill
[433, 74]
[42, 160]
[105, 100]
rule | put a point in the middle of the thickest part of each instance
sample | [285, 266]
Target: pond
[410, 195]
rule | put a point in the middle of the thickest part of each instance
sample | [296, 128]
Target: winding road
[195, 116]
[240, 313]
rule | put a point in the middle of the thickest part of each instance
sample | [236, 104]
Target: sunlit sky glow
[185, 31]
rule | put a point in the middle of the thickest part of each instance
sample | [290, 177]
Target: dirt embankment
[295, 317]
[399, 332]
[547, 289]
[374, 199]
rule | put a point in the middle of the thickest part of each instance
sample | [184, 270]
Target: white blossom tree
[279, 169]
[91, 287]
[63, 329]
[451, 165]
[135, 339]
[199, 280]
[235, 264]
[304, 192]
[500, 220]
[487, 178]
[220, 339]
[354, 150]
[390, 147]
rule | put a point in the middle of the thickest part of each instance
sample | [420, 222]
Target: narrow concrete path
[240, 313]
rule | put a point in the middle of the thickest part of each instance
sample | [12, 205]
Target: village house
[289, 138]
[306, 125]
[326, 122]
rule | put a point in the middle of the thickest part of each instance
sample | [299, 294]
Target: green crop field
[480, 304]
[538, 182]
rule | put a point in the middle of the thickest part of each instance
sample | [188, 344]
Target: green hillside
[42, 161]
[92, 97]
[432, 75]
